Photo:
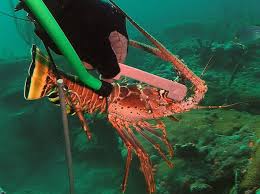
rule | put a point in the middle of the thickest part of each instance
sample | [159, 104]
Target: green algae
[222, 139]
[252, 176]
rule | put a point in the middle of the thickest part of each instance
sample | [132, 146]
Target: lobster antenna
[207, 66]
[222, 106]
[9, 15]
[205, 69]
[164, 52]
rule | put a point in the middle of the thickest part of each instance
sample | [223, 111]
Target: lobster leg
[155, 145]
[145, 162]
[129, 144]
[78, 109]
[83, 123]
[161, 125]
[147, 126]
[147, 48]
[127, 167]
[129, 139]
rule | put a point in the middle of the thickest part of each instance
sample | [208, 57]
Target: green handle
[47, 21]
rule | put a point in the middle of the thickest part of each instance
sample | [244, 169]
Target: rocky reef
[215, 152]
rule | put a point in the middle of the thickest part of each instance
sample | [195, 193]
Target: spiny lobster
[128, 107]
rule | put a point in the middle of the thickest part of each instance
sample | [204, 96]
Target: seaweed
[252, 177]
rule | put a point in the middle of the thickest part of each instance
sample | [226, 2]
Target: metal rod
[66, 134]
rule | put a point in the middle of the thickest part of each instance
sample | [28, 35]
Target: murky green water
[217, 151]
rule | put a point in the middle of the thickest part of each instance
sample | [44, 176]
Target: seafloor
[217, 151]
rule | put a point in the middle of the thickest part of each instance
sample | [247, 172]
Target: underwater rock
[185, 51]
[155, 159]
[200, 187]
[220, 141]
[252, 176]
[228, 48]
[248, 34]
[188, 150]
[186, 30]
[244, 150]
[2, 191]
[103, 142]
[253, 191]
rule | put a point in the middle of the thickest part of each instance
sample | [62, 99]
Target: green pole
[48, 22]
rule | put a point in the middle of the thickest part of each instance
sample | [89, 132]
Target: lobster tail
[36, 84]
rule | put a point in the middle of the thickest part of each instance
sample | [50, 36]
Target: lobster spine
[164, 53]
[82, 97]
[200, 88]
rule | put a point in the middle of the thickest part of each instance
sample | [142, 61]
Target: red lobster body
[128, 107]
